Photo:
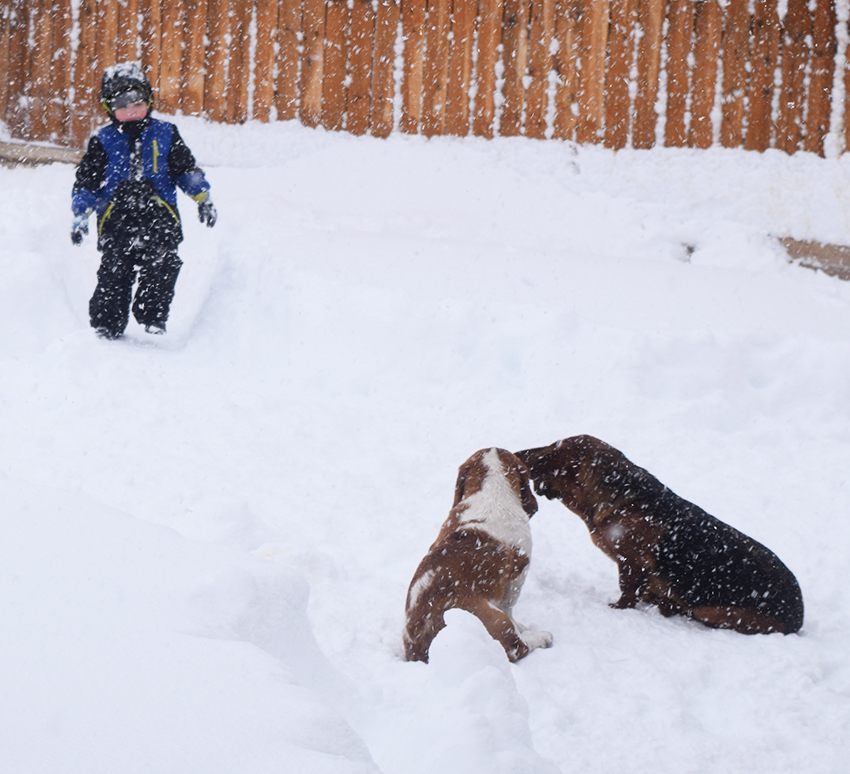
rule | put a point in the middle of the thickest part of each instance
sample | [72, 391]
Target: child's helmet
[123, 84]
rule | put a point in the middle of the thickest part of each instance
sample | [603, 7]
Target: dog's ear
[460, 484]
[536, 461]
[516, 466]
[526, 496]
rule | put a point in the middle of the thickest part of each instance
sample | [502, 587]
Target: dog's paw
[538, 639]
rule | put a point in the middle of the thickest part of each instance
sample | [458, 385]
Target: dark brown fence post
[679, 38]
[337, 33]
[237, 72]
[215, 86]
[383, 84]
[489, 38]
[568, 34]
[650, 21]
[360, 66]
[765, 52]
[435, 69]
[106, 46]
[413, 31]
[151, 39]
[5, 34]
[41, 96]
[847, 101]
[85, 91]
[59, 113]
[171, 57]
[264, 57]
[128, 30]
[736, 32]
[708, 28]
[313, 62]
[591, 95]
[515, 58]
[621, 49]
[460, 67]
[820, 81]
[288, 77]
[540, 63]
[17, 115]
[795, 59]
[192, 99]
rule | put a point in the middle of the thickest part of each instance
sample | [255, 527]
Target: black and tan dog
[669, 552]
[479, 561]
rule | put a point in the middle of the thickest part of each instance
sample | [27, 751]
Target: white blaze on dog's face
[496, 508]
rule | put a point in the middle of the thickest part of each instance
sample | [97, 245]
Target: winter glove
[79, 228]
[207, 213]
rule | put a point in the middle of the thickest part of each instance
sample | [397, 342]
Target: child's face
[135, 111]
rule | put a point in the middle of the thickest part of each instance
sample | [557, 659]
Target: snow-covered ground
[208, 537]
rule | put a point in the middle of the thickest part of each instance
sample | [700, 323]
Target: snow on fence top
[618, 72]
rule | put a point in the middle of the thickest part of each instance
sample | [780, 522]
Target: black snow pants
[109, 308]
[139, 235]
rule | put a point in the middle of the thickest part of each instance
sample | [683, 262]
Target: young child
[128, 177]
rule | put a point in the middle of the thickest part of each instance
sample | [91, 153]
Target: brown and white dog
[480, 558]
[670, 552]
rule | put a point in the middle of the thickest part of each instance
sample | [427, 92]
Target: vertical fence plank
[795, 59]
[460, 67]
[515, 56]
[435, 68]
[383, 79]
[591, 94]
[487, 56]
[679, 39]
[621, 49]
[847, 100]
[313, 62]
[59, 114]
[85, 91]
[151, 11]
[5, 13]
[361, 56]
[337, 33]
[215, 84]
[539, 66]
[41, 22]
[650, 22]
[128, 31]
[288, 58]
[736, 32]
[413, 28]
[107, 35]
[568, 35]
[264, 57]
[239, 68]
[765, 52]
[17, 113]
[708, 27]
[171, 61]
[194, 54]
[824, 46]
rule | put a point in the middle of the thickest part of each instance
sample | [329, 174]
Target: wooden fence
[618, 72]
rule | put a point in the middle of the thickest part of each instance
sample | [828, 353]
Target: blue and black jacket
[129, 177]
